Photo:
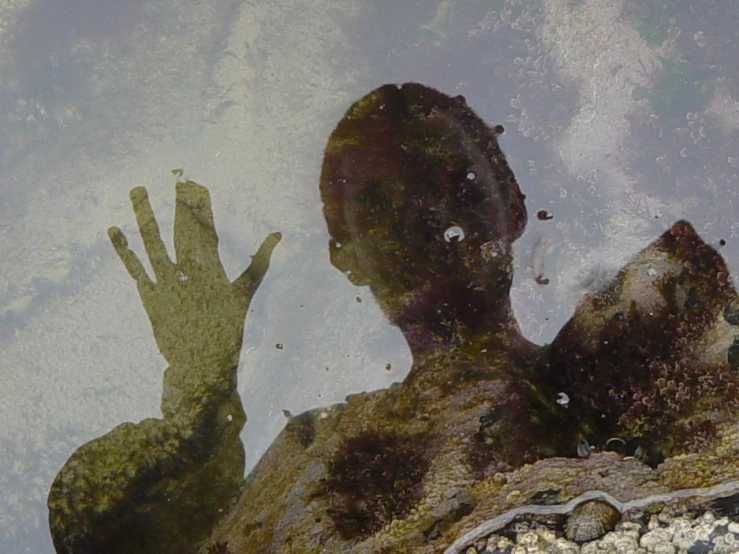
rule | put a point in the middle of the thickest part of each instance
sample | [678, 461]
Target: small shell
[454, 234]
[591, 520]
[584, 450]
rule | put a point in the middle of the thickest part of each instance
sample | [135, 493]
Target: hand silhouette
[197, 315]
[160, 485]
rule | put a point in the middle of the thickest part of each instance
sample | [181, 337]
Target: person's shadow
[422, 207]
[432, 239]
[161, 484]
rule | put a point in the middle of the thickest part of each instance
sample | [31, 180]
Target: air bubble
[454, 234]
[563, 399]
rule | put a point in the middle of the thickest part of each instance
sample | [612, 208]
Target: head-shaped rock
[422, 207]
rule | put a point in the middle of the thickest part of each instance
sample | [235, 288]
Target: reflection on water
[621, 118]
[642, 377]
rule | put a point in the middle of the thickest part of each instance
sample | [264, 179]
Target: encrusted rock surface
[662, 533]
[644, 360]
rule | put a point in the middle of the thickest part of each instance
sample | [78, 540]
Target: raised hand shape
[197, 315]
[160, 485]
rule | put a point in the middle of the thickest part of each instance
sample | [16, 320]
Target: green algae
[654, 30]
[656, 18]
[160, 485]
[639, 93]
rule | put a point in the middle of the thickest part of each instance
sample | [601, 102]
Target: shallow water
[620, 118]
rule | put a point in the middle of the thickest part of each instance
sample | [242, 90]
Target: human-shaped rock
[161, 484]
[422, 207]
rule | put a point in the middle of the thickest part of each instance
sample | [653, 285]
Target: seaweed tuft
[373, 478]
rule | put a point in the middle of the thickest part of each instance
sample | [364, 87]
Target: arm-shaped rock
[144, 488]
[160, 485]
[414, 467]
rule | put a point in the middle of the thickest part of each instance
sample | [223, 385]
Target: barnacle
[591, 520]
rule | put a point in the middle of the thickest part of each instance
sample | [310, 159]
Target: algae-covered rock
[633, 403]
[292, 503]
[643, 361]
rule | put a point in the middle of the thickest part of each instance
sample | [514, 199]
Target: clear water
[620, 117]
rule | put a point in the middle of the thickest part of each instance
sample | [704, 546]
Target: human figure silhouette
[422, 207]
[452, 301]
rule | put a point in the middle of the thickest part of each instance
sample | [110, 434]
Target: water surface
[620, 117]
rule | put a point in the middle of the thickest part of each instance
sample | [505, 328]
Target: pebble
[665, 548]
[654, 538]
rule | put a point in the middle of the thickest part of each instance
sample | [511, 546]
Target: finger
[129, 258]
[195, 237]
[150, 235]
[252, 276]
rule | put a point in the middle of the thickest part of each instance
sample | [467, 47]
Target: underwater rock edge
[712, 470]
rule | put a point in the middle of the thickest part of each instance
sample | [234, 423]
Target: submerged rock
[422, 207]
[643, 360]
